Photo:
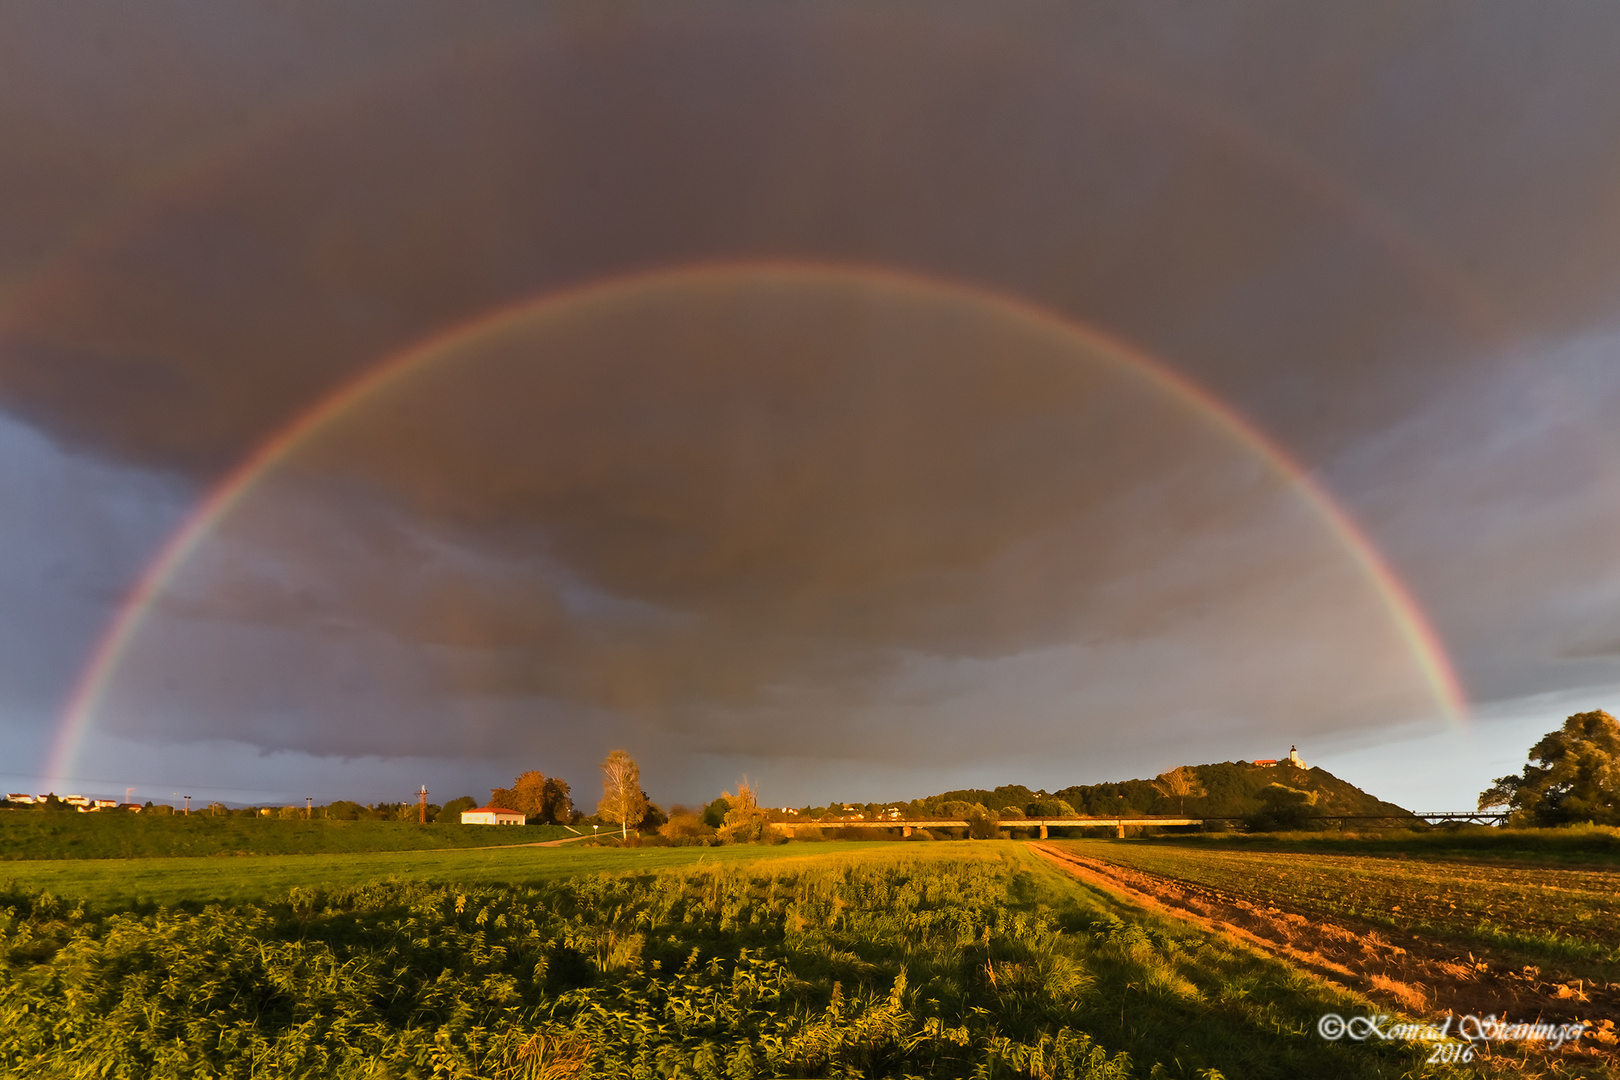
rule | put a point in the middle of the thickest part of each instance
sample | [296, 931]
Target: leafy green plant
[894, 961]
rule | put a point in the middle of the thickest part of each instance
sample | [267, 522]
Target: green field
[1546, 914]
[852, 960]
[114, 884]
[33, 834]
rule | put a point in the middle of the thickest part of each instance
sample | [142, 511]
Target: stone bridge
[1118, 823]
[905, 826]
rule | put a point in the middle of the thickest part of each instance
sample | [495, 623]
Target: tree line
[1573, 776]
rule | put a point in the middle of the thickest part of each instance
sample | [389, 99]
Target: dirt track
[1417, 976]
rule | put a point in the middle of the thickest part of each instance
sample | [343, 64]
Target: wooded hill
[1234, 789]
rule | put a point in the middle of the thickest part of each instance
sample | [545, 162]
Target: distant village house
[491, 815]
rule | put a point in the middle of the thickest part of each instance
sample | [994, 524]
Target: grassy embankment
[1542, 914]
[34, 834]
[881, 960]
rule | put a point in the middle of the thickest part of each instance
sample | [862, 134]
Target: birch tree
[622, 799]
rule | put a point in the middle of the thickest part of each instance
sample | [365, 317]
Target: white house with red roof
[491, 815]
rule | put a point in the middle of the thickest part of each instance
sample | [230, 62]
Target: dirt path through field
[1419, 976]
[536, 843]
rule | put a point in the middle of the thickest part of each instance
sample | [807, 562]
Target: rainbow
[94, 681]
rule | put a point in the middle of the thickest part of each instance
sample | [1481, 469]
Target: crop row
[1555, 913]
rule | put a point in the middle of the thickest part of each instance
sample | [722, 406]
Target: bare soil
[1419, 977]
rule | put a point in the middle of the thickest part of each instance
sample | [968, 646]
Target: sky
[868, 400]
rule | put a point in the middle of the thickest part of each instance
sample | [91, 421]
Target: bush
[983, 825]
[685, 828]
[714, 814]
[1283, 809]
[451, 814]
[746, 822]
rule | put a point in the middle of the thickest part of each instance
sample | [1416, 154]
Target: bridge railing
[1120, 822]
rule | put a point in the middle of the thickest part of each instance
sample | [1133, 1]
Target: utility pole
[421, 805]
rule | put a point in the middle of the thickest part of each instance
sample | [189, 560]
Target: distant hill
[1234, 790]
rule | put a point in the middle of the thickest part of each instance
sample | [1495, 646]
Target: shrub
[685, 827]
[982, 825]
[746, 822]
[1283, 809]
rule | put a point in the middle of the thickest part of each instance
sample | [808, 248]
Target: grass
[1547, 914]
[852, 960]
[34, 834]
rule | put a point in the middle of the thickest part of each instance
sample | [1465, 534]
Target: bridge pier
[905, 830]
[1119, 830]
[1043, 830]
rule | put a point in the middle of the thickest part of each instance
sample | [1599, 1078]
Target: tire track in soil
[1421, 977]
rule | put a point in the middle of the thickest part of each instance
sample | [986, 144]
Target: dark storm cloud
[355, 225]
[1361, 227]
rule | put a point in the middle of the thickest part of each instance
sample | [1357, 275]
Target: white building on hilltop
[491, 815]
[1293, 759]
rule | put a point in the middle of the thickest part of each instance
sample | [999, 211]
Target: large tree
[538, 797]
[622, 798]
[1180, 783]
[559, 801]
[1573, 775]
[527, 795]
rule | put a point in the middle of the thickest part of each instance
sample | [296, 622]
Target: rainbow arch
[95, 679]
